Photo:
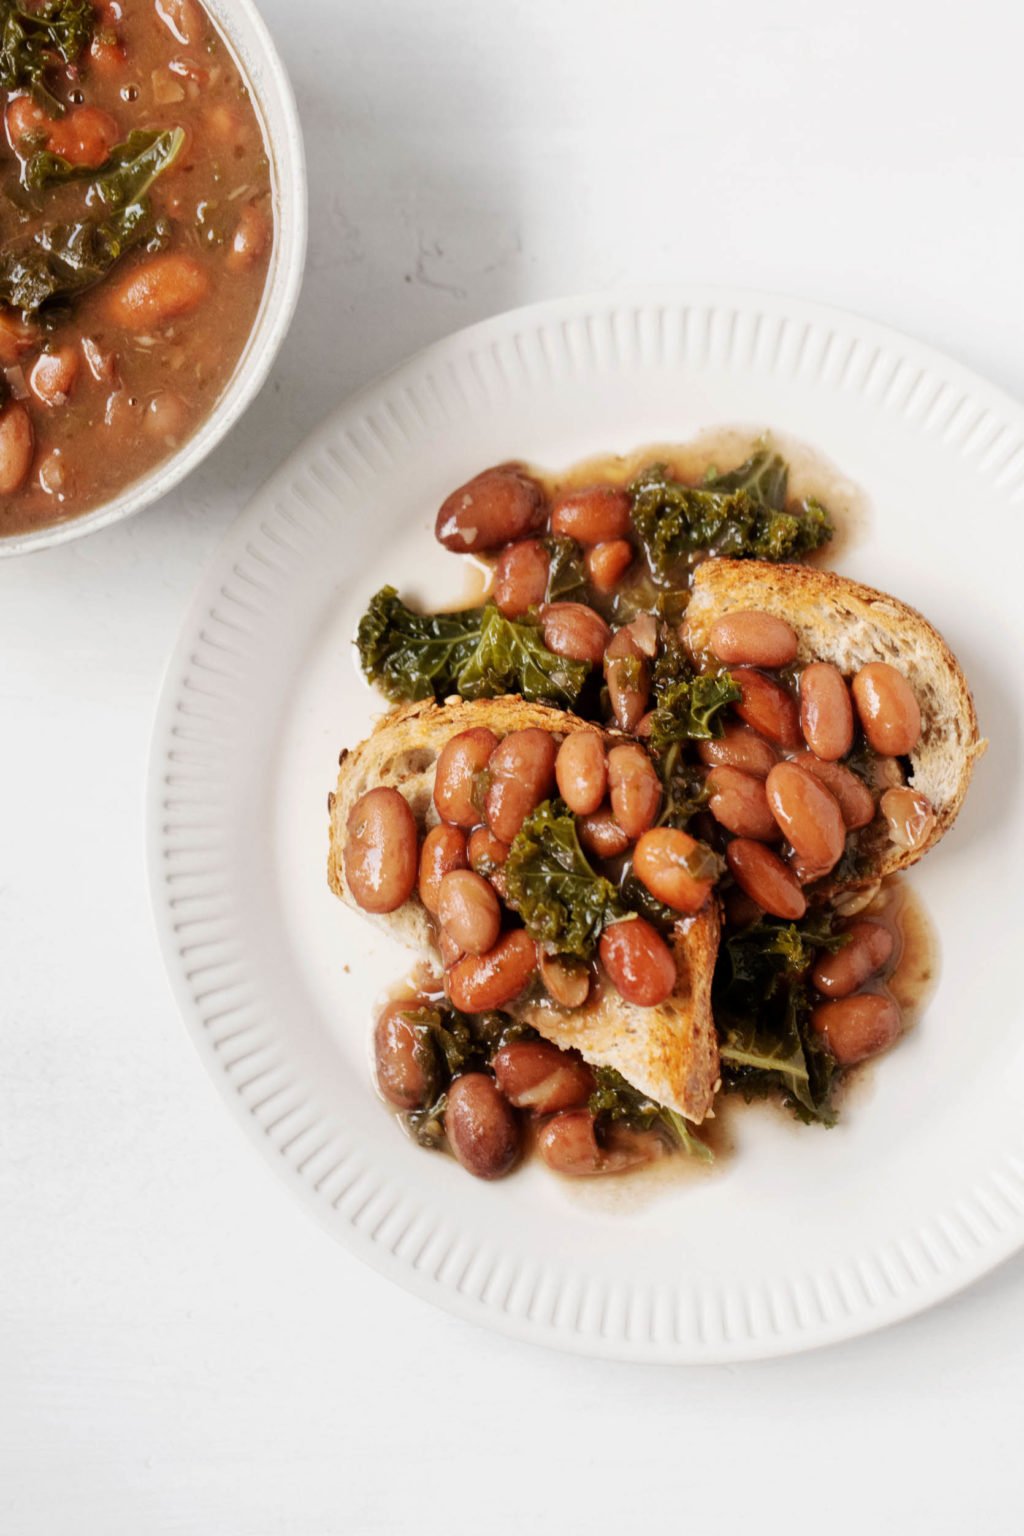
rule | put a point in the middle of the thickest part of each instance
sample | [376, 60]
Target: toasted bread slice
[669, 1052]
[850, 625]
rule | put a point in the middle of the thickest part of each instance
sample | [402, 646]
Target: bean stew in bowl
[145, 255]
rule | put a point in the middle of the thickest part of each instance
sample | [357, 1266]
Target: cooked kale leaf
[614, 1101]
[685, 787]
[32, 38]
[567, 576]
[763, 1005]
[477, 653]
[563, 902]
[125, 176]
[741, 514]
[448, 1043]
[687, 705]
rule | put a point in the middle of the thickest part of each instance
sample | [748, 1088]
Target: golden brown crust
[669, 1052]
[850, 624]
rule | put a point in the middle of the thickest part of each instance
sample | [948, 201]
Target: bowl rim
[278, 305]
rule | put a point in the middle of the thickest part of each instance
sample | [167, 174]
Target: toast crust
[669, 1052]
[850, 624]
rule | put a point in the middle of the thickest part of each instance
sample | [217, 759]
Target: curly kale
[616, 1102]
[35, 37]
[563, 902]
[741, 514]
[687, 705]
[762, 1005]
[477, 653]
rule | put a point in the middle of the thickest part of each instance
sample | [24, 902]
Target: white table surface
[181, 1348]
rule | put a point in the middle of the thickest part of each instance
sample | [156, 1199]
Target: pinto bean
[869, 946]
[380, 850]
[628, 679]
[84, 136]
[566, 979]
[158, 291]
[768, 708]
[568, 1144]
[522, 770]
[457, 785]
[521, 577]
[807, 813]
[739, 747]
[575, 630]
[910, 817]
[490, 510]
[765, 879]
[479, 983]
[855, 799]
[250, 240]
[17, 445]
[581, 770]
[607, 563]
[641, 965]
[407, 1069]
[675, 868]
[888, 709]
[738, 800]
[481, 1126]
[182, 18]
[444, 849]
[487, 853]
[634, 787]
[753, 639]
[536, 1075]
[826, 713]
[17, 337]
[53, 376]
[601, 835]
[468, 910]
[857, 1027]
[592, 515]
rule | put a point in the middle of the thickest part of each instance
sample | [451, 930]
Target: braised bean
[807, 813]
[458, 790]
[627, 676]
[592, 515]
[161, 290]
[739, 747]
[448, 949]
[536, 1075]
[17, 445]
[644, 630]
[407, 1068]
[490, 510]
[826, 713]
[910, 817]
[581, 770]
[869, 946]
[805, 871]
[522, 772]
[856, 801]
[250, 240]
[444, 849]
[468, 910]
[607, 563]
[481, 982]
[567, 979]
[55, 478]
[568, 1144]
[83, 137]
[481, 1126]
[857, 1027]
[601, 835]
[487, 853]
[521, 577]
[753, 639]
[765, 879]
[768, 707]
[107, 56]
[167, 416]
[17, 337]
[53, 376]
[575, 630]
[641, 965]
[380, 850]
[675, 868]
[634, 788]
[738, 800]
[182, 18]
[888, 710]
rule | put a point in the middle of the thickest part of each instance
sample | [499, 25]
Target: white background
[181, 1348]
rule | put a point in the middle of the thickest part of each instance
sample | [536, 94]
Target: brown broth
[139, 393]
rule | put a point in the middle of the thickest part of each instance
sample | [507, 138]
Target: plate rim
[879, 1311]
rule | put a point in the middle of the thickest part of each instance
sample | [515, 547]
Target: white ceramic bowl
[244, 28]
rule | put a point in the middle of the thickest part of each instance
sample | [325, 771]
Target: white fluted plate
[800, 1236]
